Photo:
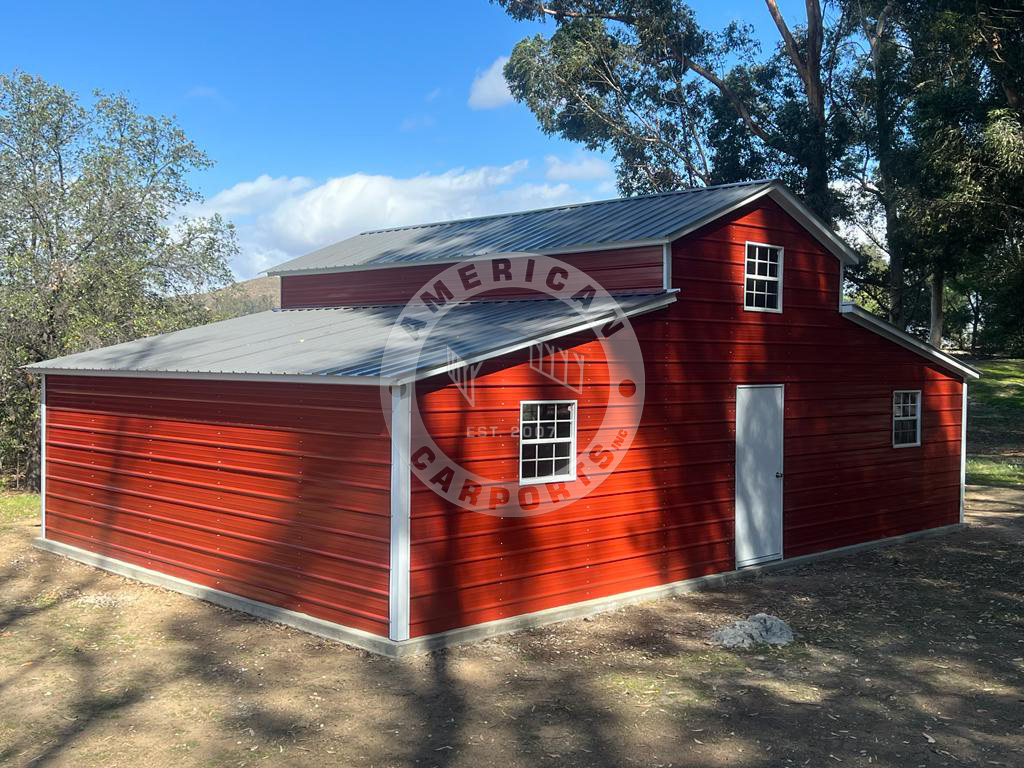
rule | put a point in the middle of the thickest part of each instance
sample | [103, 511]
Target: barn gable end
[667, 514]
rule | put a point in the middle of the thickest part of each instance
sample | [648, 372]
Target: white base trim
[386, 647]
[357, 637]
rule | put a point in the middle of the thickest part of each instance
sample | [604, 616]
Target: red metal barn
[278, 463]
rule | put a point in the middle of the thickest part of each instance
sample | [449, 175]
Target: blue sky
[325, 119]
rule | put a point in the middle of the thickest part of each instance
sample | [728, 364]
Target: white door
[758, 474]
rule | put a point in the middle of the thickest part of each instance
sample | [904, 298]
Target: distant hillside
[245, 297]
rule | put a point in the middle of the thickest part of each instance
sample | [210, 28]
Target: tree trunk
[818, 196]
[884, 96]
[897, 315]
[935, 326]
[974, 302]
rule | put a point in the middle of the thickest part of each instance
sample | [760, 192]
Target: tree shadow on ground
[905, 656]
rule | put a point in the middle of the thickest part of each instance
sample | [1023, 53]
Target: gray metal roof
[602, 223]
[346, 342]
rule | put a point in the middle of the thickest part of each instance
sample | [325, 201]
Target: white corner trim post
[42, 455]
[666, 266]
[398, 586]
[963, 453]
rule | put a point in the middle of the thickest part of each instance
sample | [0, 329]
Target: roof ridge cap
[564, 206]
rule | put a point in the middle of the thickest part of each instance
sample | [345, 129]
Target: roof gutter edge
[662, 300]
[585, 247]
[295, 378]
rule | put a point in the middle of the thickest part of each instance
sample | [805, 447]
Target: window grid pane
[761, 287]
[547, 435]
[906, 415]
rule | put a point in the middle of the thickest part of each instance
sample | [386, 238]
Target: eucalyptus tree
[900, 117]
[680, 105]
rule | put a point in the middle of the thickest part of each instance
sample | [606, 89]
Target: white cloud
[280, 218]
[584, 168]
[489, 89]
[261, 193]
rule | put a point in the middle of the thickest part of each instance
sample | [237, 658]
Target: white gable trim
[791, 205]
[876, 324]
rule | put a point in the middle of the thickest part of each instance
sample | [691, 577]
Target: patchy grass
[910, 655]
[996, 421]
[18, 506]
[995, 424]
[1001, 472]
[1001, 386]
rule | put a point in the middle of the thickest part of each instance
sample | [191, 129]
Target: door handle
[778, 475]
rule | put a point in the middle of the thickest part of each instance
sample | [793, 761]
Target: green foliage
[94, 249]
[644, 81]
[623, 87]
[902, 119]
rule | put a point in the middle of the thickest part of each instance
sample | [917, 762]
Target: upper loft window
[906, 418]
[762, 290]
[547, 441]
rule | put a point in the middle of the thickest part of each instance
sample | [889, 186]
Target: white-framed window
[547, 441]
[762, 278]
[906, 418]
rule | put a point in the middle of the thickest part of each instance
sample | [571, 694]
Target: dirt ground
[905, 656]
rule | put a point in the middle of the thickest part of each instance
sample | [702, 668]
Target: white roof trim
[874, 323]
[791, 205]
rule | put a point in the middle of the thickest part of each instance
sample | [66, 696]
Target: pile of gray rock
[759, 629]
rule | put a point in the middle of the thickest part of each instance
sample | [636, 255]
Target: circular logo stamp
[528, 443]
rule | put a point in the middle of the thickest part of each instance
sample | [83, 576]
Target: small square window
[763, 278]
[906, 418]
[547, 437]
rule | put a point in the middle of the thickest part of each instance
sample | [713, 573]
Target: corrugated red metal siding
[844, 483]
[667, 513]
[620, 270]
[277, 492]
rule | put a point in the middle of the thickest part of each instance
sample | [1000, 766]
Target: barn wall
[620, 270]
[273, 491]
[844, 482]
[667, 513]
